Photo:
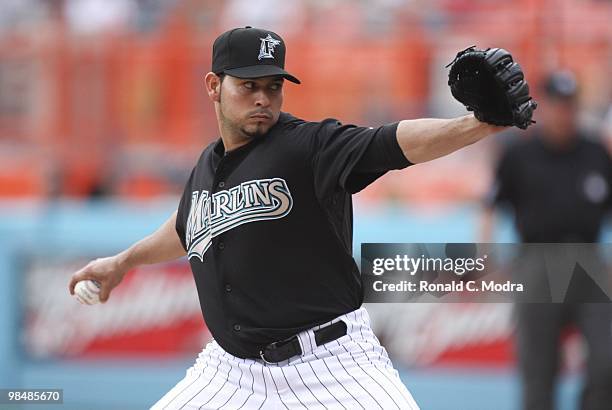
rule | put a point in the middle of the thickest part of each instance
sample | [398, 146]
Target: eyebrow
[275, 80]
[279, 80]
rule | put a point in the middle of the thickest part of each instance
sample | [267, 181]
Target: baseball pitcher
[266, 223]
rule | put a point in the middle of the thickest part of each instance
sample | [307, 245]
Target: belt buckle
[271, 346]
[263, 357]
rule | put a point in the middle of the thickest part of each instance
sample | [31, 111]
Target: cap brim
[262, 70]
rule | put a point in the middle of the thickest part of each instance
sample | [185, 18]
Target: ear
[213, 86]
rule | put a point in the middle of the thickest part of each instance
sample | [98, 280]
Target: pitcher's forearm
[161, 246]
[425, 139]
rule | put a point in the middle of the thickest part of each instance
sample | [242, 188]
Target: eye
[249, 84]
[276, 86]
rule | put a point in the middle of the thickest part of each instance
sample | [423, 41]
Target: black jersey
[268, 228]
[557, 195]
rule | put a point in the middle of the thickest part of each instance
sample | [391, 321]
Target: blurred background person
[558, 183]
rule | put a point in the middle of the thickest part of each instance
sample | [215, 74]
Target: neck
[559, 145]
[231, 141]
[560, 138]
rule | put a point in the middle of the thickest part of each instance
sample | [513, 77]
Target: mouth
[261, 116]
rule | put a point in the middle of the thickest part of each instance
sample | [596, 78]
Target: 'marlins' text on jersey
[251, 201]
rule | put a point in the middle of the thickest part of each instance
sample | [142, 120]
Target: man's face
[560, 118]
[250, 106]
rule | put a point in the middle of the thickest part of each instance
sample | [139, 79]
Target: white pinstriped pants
[352, 372]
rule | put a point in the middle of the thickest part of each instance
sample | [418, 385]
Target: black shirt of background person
[557, 195]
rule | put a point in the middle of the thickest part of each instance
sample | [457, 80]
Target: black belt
[285, 349]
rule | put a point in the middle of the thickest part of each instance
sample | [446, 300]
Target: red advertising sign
[456, 334]
[154, 311]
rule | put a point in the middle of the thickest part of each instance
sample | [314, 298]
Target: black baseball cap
[561, 85]
[250, 53]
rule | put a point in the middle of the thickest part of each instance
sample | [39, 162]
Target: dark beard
[238, 129]
[254, 134]
[259, 132]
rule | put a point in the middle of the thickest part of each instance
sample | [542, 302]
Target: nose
[262, 99]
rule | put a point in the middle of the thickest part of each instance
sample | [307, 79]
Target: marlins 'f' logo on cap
[267, 47]
[235, 54]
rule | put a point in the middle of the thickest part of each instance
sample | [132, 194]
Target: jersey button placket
[219, 184]
[218, 181]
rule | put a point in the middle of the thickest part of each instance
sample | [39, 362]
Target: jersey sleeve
[350, 158]
[183, 211]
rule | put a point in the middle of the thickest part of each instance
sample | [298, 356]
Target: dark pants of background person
[539, 327]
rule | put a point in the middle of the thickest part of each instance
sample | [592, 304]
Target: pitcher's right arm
[161, 246]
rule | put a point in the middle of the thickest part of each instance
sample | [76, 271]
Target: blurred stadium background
[103, 114]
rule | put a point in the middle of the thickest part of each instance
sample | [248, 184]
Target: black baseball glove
[492, 85]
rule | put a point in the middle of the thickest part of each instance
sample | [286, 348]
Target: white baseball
[87, 292]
